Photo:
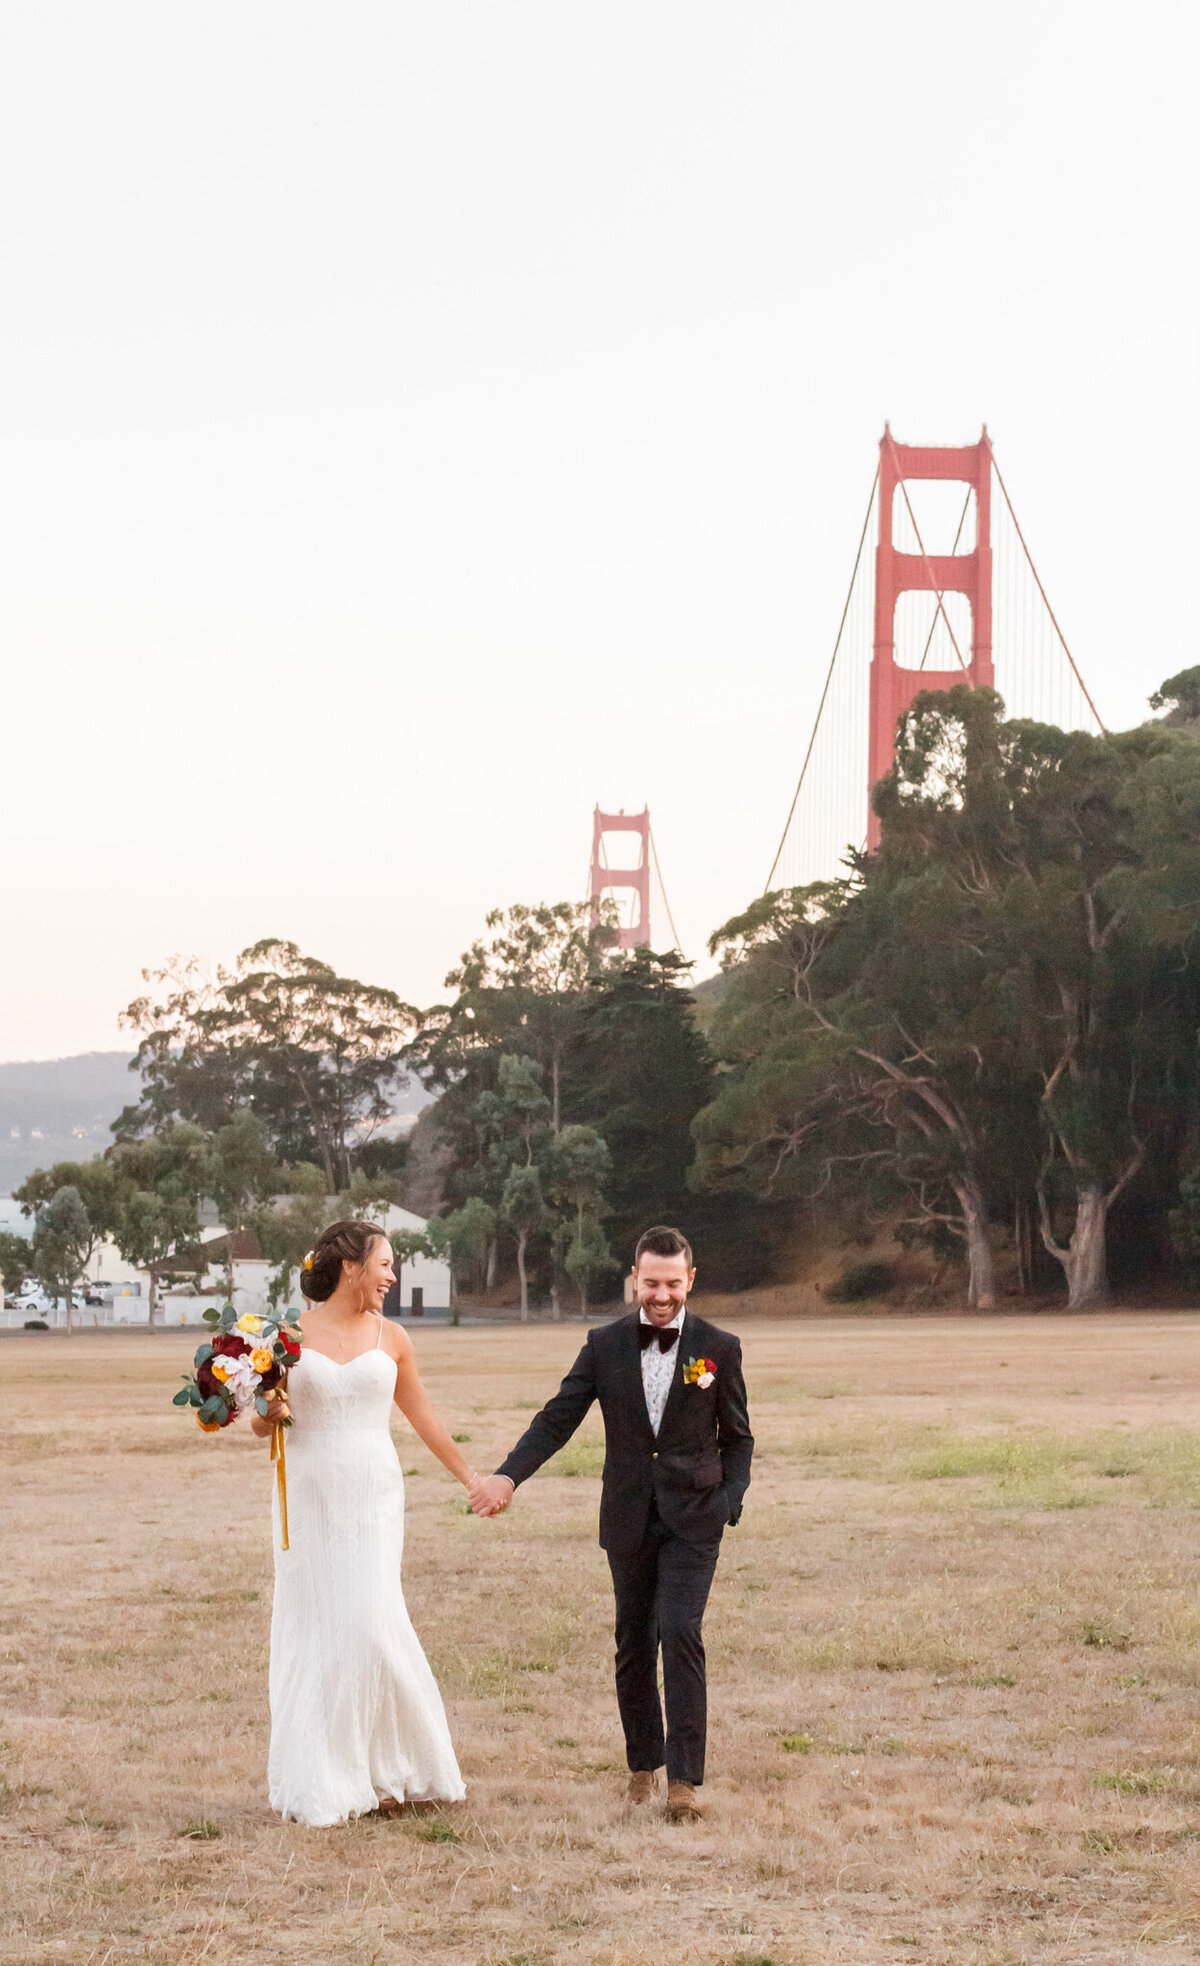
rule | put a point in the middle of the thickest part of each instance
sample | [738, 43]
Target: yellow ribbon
[280, 1460]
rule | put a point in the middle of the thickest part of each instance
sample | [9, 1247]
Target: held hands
[491, 1494]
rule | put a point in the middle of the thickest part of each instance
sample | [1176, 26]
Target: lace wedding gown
[355, 1710]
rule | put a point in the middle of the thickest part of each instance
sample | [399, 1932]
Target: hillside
[59, 1109]
[62, 1109]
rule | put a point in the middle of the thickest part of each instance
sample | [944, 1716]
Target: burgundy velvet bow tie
[647, 1333]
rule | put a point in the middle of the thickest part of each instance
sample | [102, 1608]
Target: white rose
[705, 1379]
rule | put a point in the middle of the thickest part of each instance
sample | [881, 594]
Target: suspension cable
[662, 888]
[1041, 590]
[862, 540]
[962, 520]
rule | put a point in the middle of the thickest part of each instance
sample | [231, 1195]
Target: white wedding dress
[355, 1710]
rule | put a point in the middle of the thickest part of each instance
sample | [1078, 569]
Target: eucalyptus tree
[162, 1181]
[315, 1055]
[578, 1164]
[523, 1208]
[464, 1237]
[519, 990]
[1001, 1000]
[1074, 861]
[63, 1241]
[850, 1030]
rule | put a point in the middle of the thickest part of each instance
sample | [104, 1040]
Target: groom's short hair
[663, 1242]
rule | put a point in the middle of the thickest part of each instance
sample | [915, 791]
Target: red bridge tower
[637, 877]
[893, 687]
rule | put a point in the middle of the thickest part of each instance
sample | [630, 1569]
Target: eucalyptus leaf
[262, 1407]
[211, 1315]
[182, 1398]
[203, 1355]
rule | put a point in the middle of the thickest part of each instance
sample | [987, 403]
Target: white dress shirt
[658, 1369]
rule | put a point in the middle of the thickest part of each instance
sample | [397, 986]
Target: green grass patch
[1150, 1781]
[1105, 1636]
[1003, 1457]
[578, 1457]
[437, 1830]
[1042, 1468]
[1006, 1466]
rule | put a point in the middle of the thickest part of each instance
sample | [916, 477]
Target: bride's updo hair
[341, 1242]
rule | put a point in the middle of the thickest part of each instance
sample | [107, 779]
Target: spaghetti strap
[379, 1334]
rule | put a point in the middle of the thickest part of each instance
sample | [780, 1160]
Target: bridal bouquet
[244, 1360]
[239, 1365]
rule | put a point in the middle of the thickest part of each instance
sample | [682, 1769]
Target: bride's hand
[491, 1494]
[280, 1411]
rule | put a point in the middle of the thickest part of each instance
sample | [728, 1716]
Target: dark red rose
[230, 1344]
[207, 1380]
[269, 1378]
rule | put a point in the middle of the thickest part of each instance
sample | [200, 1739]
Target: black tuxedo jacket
[696, 1471]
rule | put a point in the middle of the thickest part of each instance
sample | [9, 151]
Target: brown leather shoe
[642, 1784]
[683, 1804]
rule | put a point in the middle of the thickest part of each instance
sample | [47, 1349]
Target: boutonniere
[699, 1372]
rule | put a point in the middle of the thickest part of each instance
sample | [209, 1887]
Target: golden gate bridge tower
[636, 932]
[631, 881]
[893, 687]
[951, 595]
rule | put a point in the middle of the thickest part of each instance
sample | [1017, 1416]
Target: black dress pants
[661, 1590]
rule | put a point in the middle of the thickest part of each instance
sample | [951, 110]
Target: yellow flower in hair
[307, 1263]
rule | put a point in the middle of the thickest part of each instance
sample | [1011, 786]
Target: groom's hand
[491, 1494]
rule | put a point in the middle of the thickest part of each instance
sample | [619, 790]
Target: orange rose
[261, 1359]
[208, 1426]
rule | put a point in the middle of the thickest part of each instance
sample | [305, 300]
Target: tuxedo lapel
[633, 1391]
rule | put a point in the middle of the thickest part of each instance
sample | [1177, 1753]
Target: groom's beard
[673, 1313]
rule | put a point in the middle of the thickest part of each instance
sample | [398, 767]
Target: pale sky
[423, 422]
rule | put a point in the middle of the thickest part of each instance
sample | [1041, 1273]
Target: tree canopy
[317, 1057]
[997, 1008]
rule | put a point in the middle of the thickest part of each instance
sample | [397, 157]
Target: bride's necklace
[339, 1338]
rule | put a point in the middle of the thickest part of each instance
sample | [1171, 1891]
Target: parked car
[37, 1302]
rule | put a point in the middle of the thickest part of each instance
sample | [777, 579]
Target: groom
[677, 1464]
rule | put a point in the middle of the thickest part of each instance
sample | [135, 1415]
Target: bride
[357, 1722]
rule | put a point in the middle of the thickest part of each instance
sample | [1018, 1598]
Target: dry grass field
[954, 1667]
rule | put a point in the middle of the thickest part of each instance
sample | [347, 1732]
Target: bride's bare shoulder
[395, 1341]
